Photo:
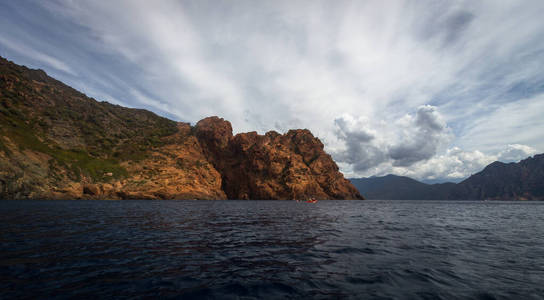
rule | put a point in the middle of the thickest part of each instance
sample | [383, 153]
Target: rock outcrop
[272, 166]
[56, 143]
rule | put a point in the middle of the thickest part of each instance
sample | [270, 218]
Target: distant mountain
[435, 181]
[498, 181]
[505, 181]
[392, 187]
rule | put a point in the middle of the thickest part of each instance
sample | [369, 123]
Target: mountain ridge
[523, 180]
[393, 187]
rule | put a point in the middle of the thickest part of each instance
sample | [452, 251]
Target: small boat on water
[311, 200]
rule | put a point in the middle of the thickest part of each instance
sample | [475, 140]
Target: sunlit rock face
[272, 166]
[57, 143]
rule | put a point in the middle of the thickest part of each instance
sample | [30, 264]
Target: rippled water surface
[272, 249]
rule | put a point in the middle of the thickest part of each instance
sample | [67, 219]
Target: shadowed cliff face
[272, 166]
[55, 142]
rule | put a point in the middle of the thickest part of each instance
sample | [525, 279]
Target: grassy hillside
[69, 134]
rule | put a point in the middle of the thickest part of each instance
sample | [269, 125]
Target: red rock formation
[272, 166]
[57, 143]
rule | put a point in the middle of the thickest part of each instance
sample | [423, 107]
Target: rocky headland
[57, 143]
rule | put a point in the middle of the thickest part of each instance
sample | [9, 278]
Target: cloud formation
[416, 152]
[515, 152]
[423, 134]
[387, 85]
[417, 138]
[362, 149]
[456, 164]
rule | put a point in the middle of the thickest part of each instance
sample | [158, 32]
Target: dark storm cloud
[345, 133]
[428, 131]
[421, 138]
[359, 151]
[362, 156]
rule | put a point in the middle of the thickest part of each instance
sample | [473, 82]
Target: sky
[434, 90]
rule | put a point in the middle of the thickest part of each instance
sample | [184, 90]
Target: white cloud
[414, 150]
[453, 165]
[457, 164]
[515, 153]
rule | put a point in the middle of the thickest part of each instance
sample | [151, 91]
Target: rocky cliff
[272, 166]
[55, 142]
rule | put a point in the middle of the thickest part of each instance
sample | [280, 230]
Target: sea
[271, 249]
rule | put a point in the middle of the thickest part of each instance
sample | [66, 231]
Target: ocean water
[272, 249]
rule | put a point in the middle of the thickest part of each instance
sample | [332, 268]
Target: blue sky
[434, 90]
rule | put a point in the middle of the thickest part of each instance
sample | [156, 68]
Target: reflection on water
[272, 249]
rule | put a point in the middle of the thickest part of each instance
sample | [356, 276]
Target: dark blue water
[272, 249]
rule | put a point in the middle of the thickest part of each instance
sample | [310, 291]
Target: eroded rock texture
[272, 166]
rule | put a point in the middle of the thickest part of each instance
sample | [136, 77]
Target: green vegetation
[81, 135]
[78, 161]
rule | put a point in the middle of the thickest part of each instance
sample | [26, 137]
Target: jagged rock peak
[272, 166]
